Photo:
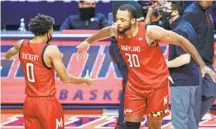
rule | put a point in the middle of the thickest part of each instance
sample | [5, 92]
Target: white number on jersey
[30, 72]
[133, 60]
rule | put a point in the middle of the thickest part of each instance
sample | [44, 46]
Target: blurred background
[13, 10]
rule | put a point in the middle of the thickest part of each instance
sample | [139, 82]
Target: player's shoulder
[52, 50]
[20, 41]
[155, 29]
[155, 32]
[19, 44]
[152, 27]
[52, 47]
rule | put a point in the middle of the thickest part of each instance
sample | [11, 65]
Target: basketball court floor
[93, 119]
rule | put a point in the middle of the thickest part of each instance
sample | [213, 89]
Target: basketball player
[39, 62]
[147, 86]
[116, 56]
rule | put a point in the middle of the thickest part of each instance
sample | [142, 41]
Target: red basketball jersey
[146, 65]
[38, 77]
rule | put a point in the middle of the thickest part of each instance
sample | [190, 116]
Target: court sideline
[92, 119]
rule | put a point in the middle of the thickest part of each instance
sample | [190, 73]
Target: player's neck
[133, 31]
[39, 39]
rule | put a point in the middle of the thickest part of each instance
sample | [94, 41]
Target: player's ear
[50, 32]
[133, 20]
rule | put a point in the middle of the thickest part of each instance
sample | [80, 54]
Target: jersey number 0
[30, 72]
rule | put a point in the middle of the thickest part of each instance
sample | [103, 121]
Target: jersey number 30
[133, 60]
[30, 72]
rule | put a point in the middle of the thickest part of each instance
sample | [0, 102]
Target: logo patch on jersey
[157, 114]
[126, 111]
[140, 38]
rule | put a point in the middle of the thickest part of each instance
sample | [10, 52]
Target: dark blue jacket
[202, 23]
[186, 75]
[75, 22]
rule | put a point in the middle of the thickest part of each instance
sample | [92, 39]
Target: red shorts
[43, 113]
[153, 103]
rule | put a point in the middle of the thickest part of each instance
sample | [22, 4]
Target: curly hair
[41, 24]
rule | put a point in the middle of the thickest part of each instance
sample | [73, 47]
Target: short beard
[126, 29]
[122, 32]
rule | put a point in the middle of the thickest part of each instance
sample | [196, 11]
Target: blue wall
[13, 11]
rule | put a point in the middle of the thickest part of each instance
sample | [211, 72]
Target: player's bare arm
[14, 50]
[156, 33]
[56, 60]
[102, 34]
[159, 34]
[181, 60]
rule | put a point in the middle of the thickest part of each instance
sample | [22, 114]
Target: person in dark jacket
[87, 18]
[197, 14]
[183, 70]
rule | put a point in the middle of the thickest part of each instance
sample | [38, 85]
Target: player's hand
[88, 80]
[82, 50]
[206, 70]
